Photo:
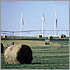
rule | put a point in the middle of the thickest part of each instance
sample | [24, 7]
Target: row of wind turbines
[43, 21]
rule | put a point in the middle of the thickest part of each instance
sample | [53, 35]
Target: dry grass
[31, 43]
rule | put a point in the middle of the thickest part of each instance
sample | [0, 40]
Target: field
[53, 56]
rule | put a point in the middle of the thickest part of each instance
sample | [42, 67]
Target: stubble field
[52, 56]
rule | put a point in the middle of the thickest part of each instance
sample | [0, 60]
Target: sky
[32, 15]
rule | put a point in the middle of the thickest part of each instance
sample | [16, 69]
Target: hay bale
[10, 43]
[2, 48]
[39, 36]
[47, 42]
[50, 37]
[62, 36]
[18, 54]
[4, 36]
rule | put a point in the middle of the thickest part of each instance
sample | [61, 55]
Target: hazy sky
[32, 14]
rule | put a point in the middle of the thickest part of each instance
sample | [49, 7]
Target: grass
[44, 56]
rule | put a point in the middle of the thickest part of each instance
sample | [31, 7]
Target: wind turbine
[55, 24]
[21, 25]
[43, 20]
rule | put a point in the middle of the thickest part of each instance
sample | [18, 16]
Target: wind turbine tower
[55, 25]
[21, 25]
[43, 20]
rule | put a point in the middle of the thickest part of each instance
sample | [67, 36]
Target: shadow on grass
[36, 63]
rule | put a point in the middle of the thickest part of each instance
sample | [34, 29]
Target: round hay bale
[18, 54]
[62, 36]
[50, 37]
[4, 36]
[47, 42]
[10, 43]
[2, 48]
[39, 36]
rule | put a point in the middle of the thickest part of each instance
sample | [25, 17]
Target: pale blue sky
[32, 14]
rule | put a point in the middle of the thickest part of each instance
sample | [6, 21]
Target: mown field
[53, 56]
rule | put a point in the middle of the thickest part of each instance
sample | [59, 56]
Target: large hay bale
[50, 37]
[18, 54]
[47, 42]
[2, 48]
[39, 36]
[10, 43]
[4, 36]
[62, 36]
